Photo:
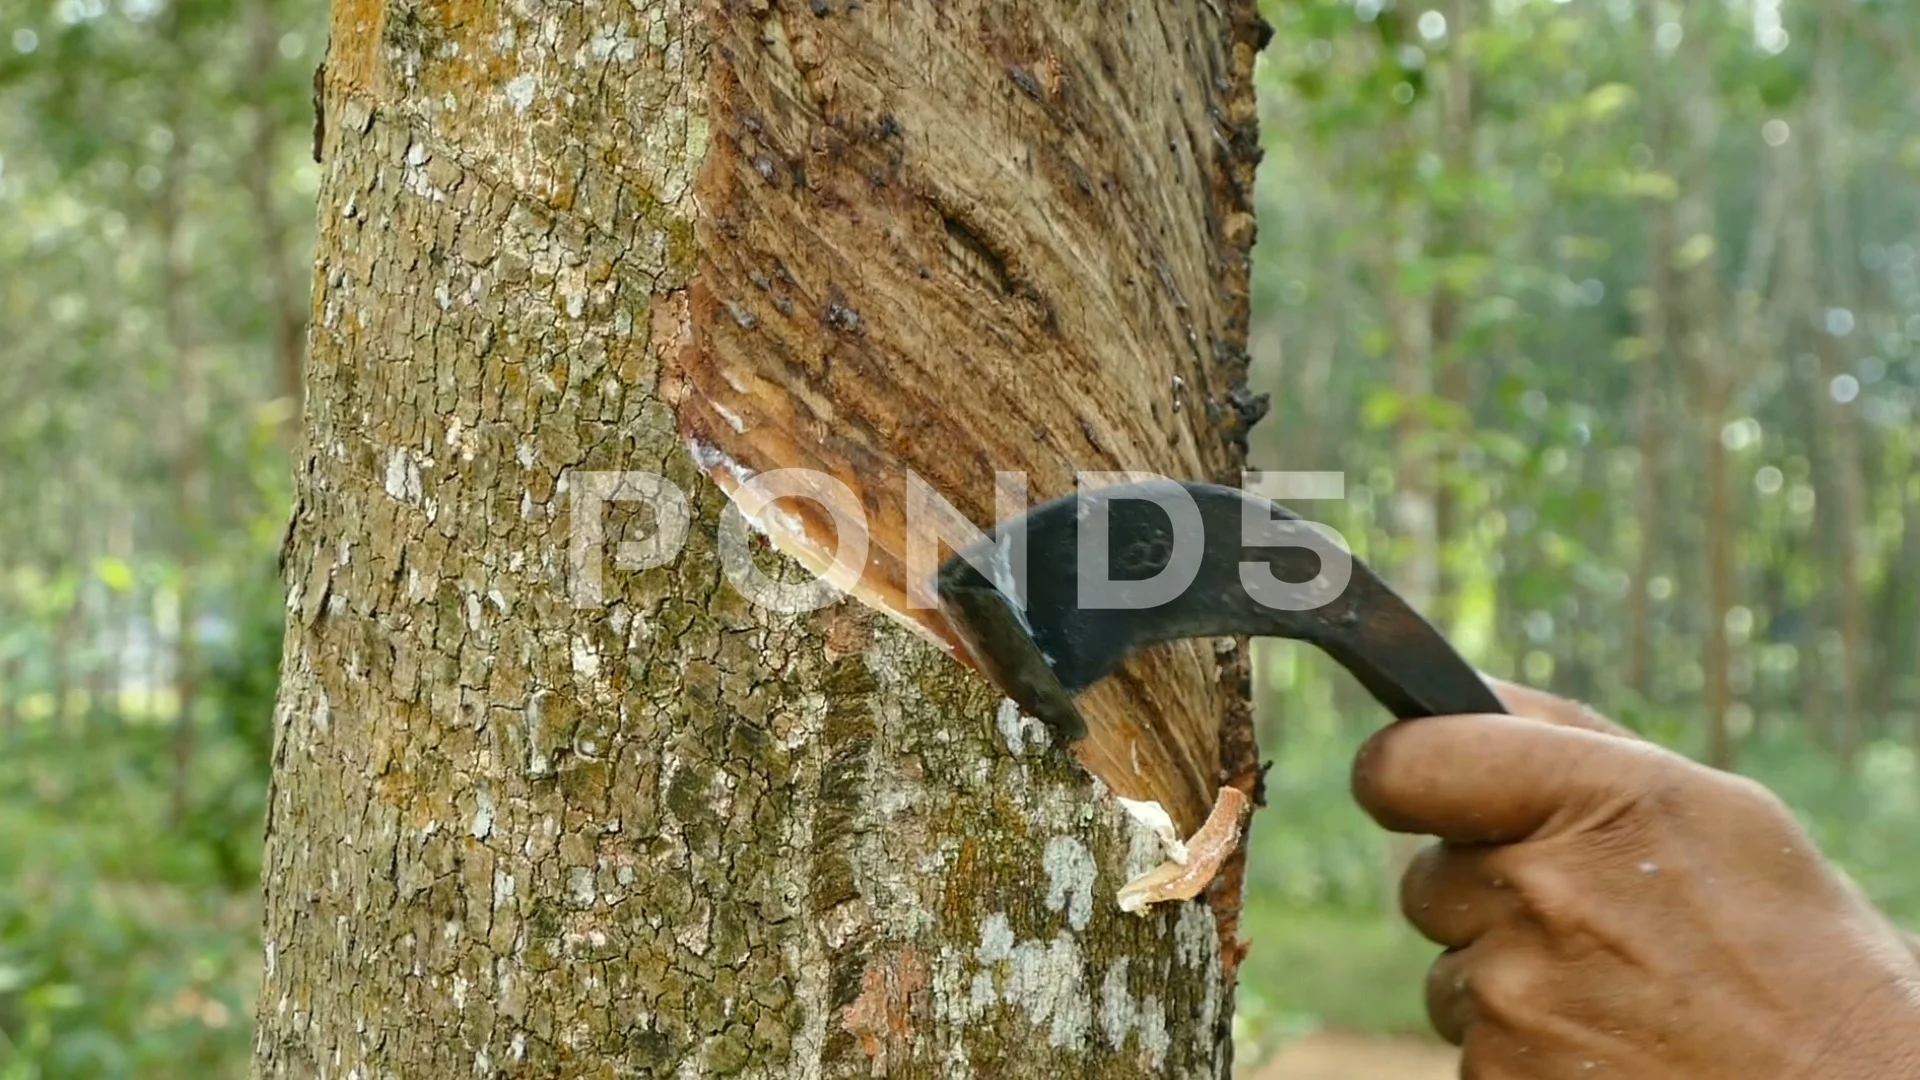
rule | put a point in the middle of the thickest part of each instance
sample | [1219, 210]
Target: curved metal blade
[1042, 637]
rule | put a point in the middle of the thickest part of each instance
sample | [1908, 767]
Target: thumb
[1496, 779]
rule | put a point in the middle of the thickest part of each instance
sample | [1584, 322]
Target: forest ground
[1342, 1056]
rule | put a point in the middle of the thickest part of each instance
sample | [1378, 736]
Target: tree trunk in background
[189, 476]
[65, 640]
[675, 834]
[1720, 527]
[285, 309]
[1415, 570]
[120, 615]
[9, 692]
[1650, 392]
[1912, 591]
[1710, 385]
[1896, 614]
[1650, 379]
[159, 675]
[1842, 456]
[1910, 581]
[1454, 236]
[100, 665]
[114, 660]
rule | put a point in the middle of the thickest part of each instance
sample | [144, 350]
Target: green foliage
[1528, 205]
[129, 937]
[154, 186]
[1865, 818]
[1523, 303]
[1347, 968]
[129, 926]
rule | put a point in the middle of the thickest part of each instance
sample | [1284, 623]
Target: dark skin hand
[1611, 909]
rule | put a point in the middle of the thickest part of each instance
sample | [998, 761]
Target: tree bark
[673, 833]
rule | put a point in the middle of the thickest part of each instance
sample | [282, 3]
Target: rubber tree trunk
[670, 832]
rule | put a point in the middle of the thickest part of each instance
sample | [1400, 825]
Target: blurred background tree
[156, 199]
[1608, 310]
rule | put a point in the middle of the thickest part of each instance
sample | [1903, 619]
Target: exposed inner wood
[954, 240]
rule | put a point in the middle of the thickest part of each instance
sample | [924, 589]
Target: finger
[1449, 997]
[1552, 709]
[1491, 1052]
[1501, 982]
[1455, 893]
[1494, 779]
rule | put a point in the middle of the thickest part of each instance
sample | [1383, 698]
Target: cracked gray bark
[674, 834]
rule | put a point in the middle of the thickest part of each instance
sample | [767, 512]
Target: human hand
[1610, 908]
